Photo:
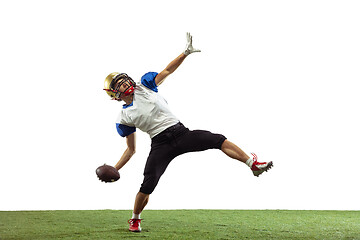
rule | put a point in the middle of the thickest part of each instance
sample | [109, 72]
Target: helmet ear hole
[108, 84]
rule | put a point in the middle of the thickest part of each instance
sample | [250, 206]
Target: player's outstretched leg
[235, 152]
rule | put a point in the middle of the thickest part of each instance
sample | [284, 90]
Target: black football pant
[171, 143]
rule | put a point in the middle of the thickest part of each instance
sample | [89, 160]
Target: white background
[278, 78]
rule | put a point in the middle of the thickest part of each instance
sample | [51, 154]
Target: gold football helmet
[110, 84]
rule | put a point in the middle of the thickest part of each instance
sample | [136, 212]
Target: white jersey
[149, 111]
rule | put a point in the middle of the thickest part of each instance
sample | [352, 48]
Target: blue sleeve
[124, 130]
[148, 80]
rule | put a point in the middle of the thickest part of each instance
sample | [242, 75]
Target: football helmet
[113, 83]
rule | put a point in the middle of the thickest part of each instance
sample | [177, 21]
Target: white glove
[189, 48]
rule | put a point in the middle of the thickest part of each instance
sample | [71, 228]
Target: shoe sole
[270, 165]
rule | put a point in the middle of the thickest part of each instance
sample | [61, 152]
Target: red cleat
[134, 225]
[260, 167]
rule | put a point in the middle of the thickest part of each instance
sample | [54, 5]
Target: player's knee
[221, 139]
[149, 184]
[215, 140]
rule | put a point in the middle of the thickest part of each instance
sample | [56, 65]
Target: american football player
[147, 110]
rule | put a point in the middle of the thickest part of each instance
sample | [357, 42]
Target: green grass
[181, 224]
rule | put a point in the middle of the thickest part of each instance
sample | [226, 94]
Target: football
[107, 173]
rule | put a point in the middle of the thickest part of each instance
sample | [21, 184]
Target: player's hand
[189, 48]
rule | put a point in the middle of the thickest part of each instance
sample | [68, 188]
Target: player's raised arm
[129, 152]
[173, 65]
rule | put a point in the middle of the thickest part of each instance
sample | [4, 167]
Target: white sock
[136, 216]
[249, 162]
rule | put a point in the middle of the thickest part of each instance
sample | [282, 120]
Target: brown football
[107, 173]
